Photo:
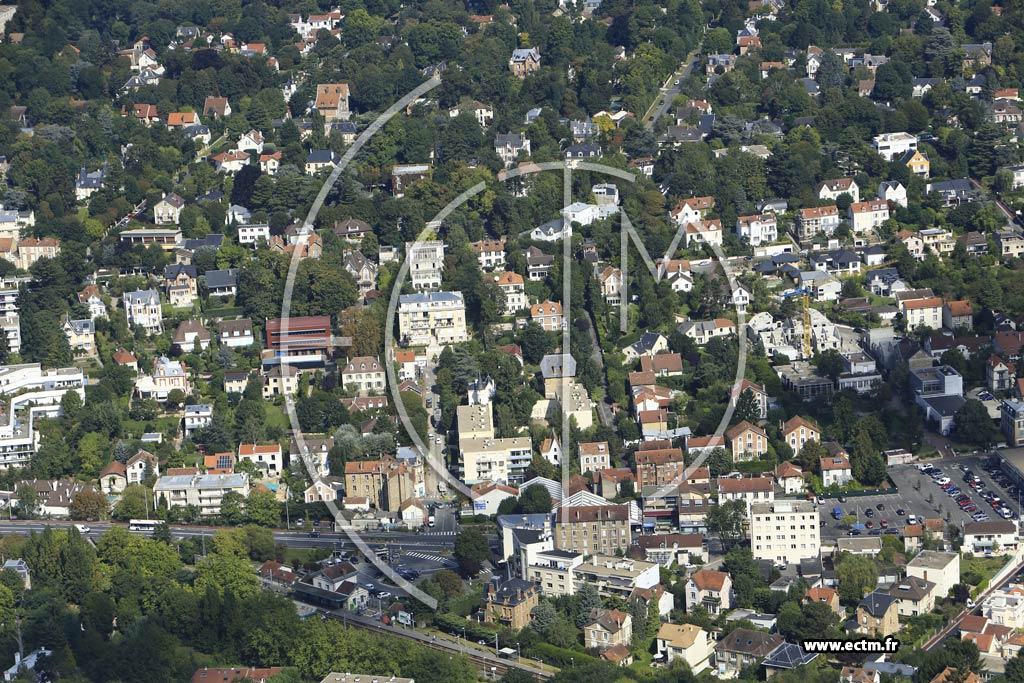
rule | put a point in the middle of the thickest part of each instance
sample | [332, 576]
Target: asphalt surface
[668, 92]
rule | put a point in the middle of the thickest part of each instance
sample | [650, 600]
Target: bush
[454, 624]
[558, 656]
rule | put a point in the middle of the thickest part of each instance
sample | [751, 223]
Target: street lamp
[519, 655]
[496, 653]
[572, 662]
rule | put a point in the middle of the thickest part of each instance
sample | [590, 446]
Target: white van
[82, 528]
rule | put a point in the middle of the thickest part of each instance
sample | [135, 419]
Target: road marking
[433, 558]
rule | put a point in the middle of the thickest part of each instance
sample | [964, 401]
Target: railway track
[491, 666]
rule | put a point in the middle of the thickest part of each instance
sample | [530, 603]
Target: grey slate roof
[220, 279]
[557, 365]
[877, 603]
[789, 656]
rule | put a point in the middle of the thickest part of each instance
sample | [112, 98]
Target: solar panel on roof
[224, 462]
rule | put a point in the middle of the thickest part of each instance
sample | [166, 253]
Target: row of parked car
[962, 500]
[998, 505]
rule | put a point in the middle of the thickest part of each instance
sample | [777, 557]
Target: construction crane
[806, 294]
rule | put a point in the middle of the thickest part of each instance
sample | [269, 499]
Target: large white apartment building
[432, 317]
[205, 491]
[426, 264]
[784, 532]
[486, 458]
[31, 392]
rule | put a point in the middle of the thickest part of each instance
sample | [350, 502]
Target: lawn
[297, 557]
[978, 571]
[277, 417]
[137, 428]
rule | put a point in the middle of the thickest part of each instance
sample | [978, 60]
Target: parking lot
[920, 495]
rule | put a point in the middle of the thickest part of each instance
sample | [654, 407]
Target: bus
[147, 525]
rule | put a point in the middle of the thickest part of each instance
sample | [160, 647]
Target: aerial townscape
[555, 341]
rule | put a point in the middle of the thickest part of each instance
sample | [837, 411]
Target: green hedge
[557, 656]
[453, 623]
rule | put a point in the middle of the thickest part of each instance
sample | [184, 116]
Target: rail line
[489, 664]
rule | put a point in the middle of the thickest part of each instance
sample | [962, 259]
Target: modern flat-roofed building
[942, 569]
[167, 239]
[426, 264]
[29, 392]
[205, 491]
[892, 145]
[784, 532]
[553, 571]
[305, 340]
[617, 576]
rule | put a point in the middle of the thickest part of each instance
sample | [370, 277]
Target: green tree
[534, 342]
[175, 398]
[223, 571]
[719, 462]
[89, 505]
[855, 576]
[263, 508]
[134, 503]
[726, 521]
[232, 507]
[587, 600]
[471, 549]
[829, 363]
[747, 408]
[973, 424]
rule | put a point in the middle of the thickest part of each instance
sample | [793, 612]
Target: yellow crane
[806, 295]
[807, 325]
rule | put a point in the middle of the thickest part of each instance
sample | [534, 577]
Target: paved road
[669, 91]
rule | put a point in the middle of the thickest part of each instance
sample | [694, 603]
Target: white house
[893, 191]
[167, 211]
[894, 145]
[758, 229]
[868, 215]
[252, 233]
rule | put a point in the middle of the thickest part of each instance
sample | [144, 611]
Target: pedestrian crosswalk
[440, 533]
[433, 558]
